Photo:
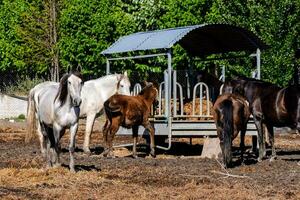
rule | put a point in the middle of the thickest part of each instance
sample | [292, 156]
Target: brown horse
[231, 114]
[270, 105]
[129, 112]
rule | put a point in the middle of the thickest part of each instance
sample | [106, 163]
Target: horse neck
[110, 83]
[256, 89]
[66, 104]
[147, 100]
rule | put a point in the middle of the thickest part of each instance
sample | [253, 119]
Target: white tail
[31, 119]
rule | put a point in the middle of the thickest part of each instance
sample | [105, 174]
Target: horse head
[70, 84]
[123, 86]
[150, 92]
[235, 86]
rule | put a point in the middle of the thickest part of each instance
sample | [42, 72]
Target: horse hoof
[134, 156]
[87, 151]
[104, 155]
[56, 165]
[243, 163]
[272, 159]
[259, 160]
[72, 170]
[153, 154]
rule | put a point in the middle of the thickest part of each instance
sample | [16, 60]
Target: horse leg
[57, 131]
[271, 139]
[114, 127]
[152, 143]
[50, 146]
[48, 153]
[43, 139]
[105, 130]
[242, 143]
[298, 123]
[261, 142]
[88, 130]
[135, 130]
[73, 131]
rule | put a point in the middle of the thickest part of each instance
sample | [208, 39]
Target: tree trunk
[54, 71]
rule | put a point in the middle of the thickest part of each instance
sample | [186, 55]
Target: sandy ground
[176, 174]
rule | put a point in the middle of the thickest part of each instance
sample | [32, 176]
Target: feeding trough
[199, 41]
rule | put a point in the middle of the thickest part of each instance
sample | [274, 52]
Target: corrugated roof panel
[159, 39]
[197, 40]
[164, 39]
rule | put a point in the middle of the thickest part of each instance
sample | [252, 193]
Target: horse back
[239, 109]
[46, 99]
[288, 105]
[129, 110]
[124, 103]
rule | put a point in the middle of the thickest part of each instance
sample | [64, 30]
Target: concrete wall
[11, 106]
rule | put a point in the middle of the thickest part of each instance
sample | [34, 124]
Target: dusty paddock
[177, 174]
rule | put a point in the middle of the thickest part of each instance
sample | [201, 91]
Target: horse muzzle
[77, 102]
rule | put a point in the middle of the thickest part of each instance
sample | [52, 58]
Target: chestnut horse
[231, 114]
[129, 112]
[270, 105]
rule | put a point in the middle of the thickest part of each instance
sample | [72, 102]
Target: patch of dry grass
[60, 183]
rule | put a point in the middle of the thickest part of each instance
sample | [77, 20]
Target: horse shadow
[83, 167]
[96, 150]
[250, 157]
[289, 155]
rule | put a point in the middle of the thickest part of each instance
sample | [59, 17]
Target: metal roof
[198, 40]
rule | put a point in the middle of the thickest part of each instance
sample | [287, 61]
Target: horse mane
[144, 91]
[244, 78]
[110, 75]
[119, 78]
[63, 87]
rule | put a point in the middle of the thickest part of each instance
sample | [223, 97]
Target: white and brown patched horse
[94, 93]
[53, 110]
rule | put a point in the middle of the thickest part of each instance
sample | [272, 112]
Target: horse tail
[298, 115]
[31, 118]
[227, 112]
[110, 106]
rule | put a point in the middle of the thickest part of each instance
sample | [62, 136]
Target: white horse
[94, 93]
[56, 107]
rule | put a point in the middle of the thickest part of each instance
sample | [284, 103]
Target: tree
[87, 27]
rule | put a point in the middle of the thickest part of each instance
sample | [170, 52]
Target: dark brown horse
[270, 105]
[129, 112]
[231, 114]
[212, 81]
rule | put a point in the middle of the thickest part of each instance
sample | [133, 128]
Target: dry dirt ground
[177, 174]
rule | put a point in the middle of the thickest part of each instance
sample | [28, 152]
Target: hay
[188, 109]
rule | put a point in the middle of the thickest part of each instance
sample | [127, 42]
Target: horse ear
[125, 73]
[79, 68]
[119, 77]
[145, 83]
[155, 84]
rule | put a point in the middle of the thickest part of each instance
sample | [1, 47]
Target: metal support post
[258, 63]
[169, 97]
[107, 67]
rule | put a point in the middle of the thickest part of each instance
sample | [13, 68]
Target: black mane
[148, 85]
[63, 87]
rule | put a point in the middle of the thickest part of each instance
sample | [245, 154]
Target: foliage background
[86, 27]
